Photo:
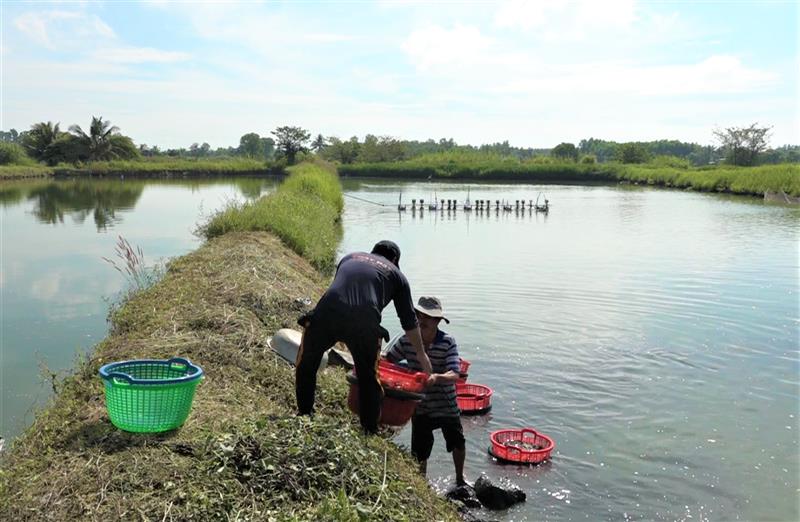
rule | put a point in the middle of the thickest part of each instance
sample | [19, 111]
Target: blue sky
[535, 73]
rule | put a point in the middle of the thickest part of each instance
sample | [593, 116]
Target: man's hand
[432, 380]
[416, 341]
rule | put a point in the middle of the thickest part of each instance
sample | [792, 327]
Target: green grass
[242, 454]
[147, 167]
[24, 171]
[305, 212]
[168, 165]
[662, 172]
[737, 180]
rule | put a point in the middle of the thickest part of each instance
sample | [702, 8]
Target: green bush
[13, 154]
[670, 161]
[632, 153]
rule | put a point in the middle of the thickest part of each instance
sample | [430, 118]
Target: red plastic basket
[399, 378]
[503, 447]
[394, 412]
[473, 398]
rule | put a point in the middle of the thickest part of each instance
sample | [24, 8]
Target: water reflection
[79, 199]
[105, 200]
[9, 195]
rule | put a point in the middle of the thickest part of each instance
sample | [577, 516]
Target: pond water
[55, 287]
[652, 333]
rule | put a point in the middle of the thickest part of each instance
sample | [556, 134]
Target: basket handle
[115, 377]
[179, 361]
[528, 430]
[510, 449]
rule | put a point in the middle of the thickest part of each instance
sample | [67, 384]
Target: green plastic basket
[150, 396]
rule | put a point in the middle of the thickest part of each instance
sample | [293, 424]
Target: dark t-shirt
[368, 282]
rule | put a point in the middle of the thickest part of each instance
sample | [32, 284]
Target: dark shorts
[422, 428]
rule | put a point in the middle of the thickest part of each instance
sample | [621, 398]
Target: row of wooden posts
[478, 205]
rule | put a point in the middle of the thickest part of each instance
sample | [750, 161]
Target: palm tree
[318, 144]
[104, 142]
[97, 144]
[41, 136]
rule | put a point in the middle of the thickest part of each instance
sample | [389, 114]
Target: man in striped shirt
[439, 410]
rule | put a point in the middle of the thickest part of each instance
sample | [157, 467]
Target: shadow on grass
[103, 436]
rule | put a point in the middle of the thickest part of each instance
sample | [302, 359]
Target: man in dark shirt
[350, 311]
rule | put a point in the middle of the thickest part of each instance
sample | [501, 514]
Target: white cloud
[125, 55]
[61, 29]
[433, 45]
[572, 17]
[328, 37]
[101, 28]
[34, 25]
[378, 82]
[714, 75]
[269, 32]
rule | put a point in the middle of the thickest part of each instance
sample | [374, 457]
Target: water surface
[652, 333]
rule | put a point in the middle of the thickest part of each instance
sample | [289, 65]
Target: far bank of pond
[761, 181]
[751, 181]
[148, 168]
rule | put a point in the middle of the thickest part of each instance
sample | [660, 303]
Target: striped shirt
[440, 399]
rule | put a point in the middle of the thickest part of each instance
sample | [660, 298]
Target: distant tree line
[45, 142]
[737, 146]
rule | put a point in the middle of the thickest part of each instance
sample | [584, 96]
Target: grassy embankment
[25, 171]
[737, 180]
[242, 455]
[146, 167]
[289, 212]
